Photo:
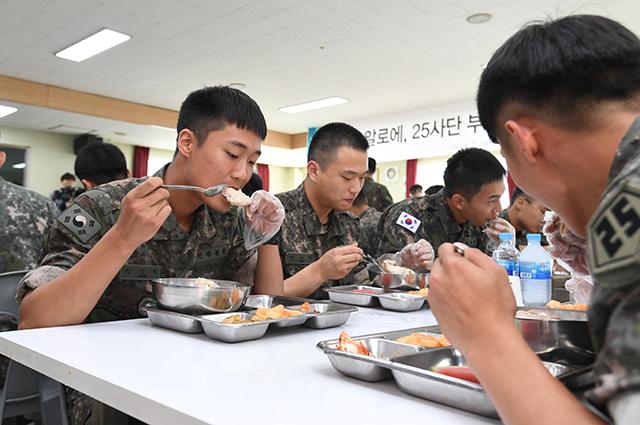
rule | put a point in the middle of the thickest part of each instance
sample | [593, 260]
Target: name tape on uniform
[409, 222]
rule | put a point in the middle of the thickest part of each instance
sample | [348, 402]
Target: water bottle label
[510, 266]
[540, 271]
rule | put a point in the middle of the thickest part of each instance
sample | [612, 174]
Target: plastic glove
[580, 287]
[416, 256]
[263, 218]
[497, 226]
[565, 245]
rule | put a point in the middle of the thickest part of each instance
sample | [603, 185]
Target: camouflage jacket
[376, 194]
[302, 239]
[369, 225]
[24, 219]
[64, 196]
[213, 248]
[614, 262]
[435, 224]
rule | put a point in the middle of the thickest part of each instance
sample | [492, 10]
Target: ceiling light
[92, 45]
[7, 110]
[20, 165]
[160, 127]
[479, 18]
[314, 104]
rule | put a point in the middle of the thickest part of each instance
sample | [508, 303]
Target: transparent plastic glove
[263, 218]
[417, 256]
[499, 225]
[580, 287]
[564, 245]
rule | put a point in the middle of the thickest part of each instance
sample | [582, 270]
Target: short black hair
[561, 70]
[330, 137]
[415, 188]
[361, 199]
[433, 189]
[213, 108]
[519, 193]
[68, 176]
[101, 163]
[372, 165]
[470, 169]
[253, 185]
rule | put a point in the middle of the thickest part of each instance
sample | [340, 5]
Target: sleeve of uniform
[394, 236]
[237, 260]
[70, 237]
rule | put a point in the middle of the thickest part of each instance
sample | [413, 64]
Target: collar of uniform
[445, 215]
[312, 225]
[627, 150]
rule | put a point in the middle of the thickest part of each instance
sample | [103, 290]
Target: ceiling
[385, 56]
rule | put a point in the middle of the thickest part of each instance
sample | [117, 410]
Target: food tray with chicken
[369, 296]
[423, 364]
[258, 314]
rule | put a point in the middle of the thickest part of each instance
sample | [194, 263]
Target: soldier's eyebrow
[242, 146]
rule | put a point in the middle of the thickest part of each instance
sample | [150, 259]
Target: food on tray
[201, 281]
[390, 266]
[424, 340]
[346, 343]
[235, 320]
[306, 308]
[423, 292]
[364, 291]
[574, 307]
[236, 197]
[538, 314]
[460, 372]
[277, 312]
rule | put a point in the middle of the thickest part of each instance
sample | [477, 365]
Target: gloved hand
[580, 287]
[417, 256]
[263, 218]
[565, 245]
[497, 226]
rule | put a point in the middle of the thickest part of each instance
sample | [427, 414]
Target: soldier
[319, 242]
[100, 163]
[377, 194]
[526, 215]
[64, 196]
[562, 99]
[473, 184]
[24, 219]
[369, 218]
[415, 191]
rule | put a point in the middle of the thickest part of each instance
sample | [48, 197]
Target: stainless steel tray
[215, 329]
[411, 367]
[400, 281]
[172, 320]
[345, 295]
[401, 301]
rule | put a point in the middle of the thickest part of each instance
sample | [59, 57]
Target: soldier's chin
[218, 203]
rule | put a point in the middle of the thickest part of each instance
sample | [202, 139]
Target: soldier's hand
[144, 209]
[416, 256]
[497, 226]
[265, 214]
[338, 262]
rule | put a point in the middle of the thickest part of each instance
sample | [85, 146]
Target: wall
[393, 175]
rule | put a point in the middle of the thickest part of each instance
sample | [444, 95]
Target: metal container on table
[173, 320]
[401, 301]
[215, 329]
[184, 295]
[402, 280]
[365, 296]
[328, 315]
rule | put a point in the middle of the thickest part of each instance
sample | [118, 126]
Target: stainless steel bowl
[399, 280]
[184, 296]
[556, 335]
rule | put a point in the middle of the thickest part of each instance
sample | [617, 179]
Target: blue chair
[26, 391]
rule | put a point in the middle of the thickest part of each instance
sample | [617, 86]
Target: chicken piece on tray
[346, 343]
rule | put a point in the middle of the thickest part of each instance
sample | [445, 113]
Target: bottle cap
[507, 236]
[533, 237]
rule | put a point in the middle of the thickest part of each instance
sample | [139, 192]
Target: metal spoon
[372, 260]
[210, 191]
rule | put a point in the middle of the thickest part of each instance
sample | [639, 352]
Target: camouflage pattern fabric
[302, 239]
[24, 219]
[521, 235]
[62, 198]
[436, 225]
[369, 225]
[376, 194]
[614, 260]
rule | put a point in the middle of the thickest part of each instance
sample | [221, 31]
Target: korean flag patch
[409, 222]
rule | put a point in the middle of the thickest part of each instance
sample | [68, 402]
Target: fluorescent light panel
[314, 104]
[20, 165]
[7, 110]
[92, 45]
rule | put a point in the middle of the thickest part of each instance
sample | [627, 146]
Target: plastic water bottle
[535, 273]
[507, 255]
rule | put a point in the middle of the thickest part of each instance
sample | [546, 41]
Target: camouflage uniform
[64, 196]
[521, 235]
[214, 248]
[369, 225]
[376, 194]
[24, 219]
[614, 257]
[437, 225]
[302, 239]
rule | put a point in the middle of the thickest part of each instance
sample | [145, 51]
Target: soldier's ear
[457, 201]
[186, 142]
[313, 169]
[3, 158]
[88, 184]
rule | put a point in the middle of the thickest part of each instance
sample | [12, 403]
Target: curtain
[140, 161]
[263, 172]
[412, 169]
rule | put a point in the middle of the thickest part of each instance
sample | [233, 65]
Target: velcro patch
[408, 221]
[615, 232]
[82, 224]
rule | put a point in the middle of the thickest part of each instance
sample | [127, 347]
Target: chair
[26, 391]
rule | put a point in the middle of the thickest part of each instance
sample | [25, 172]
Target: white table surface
[166, 377]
